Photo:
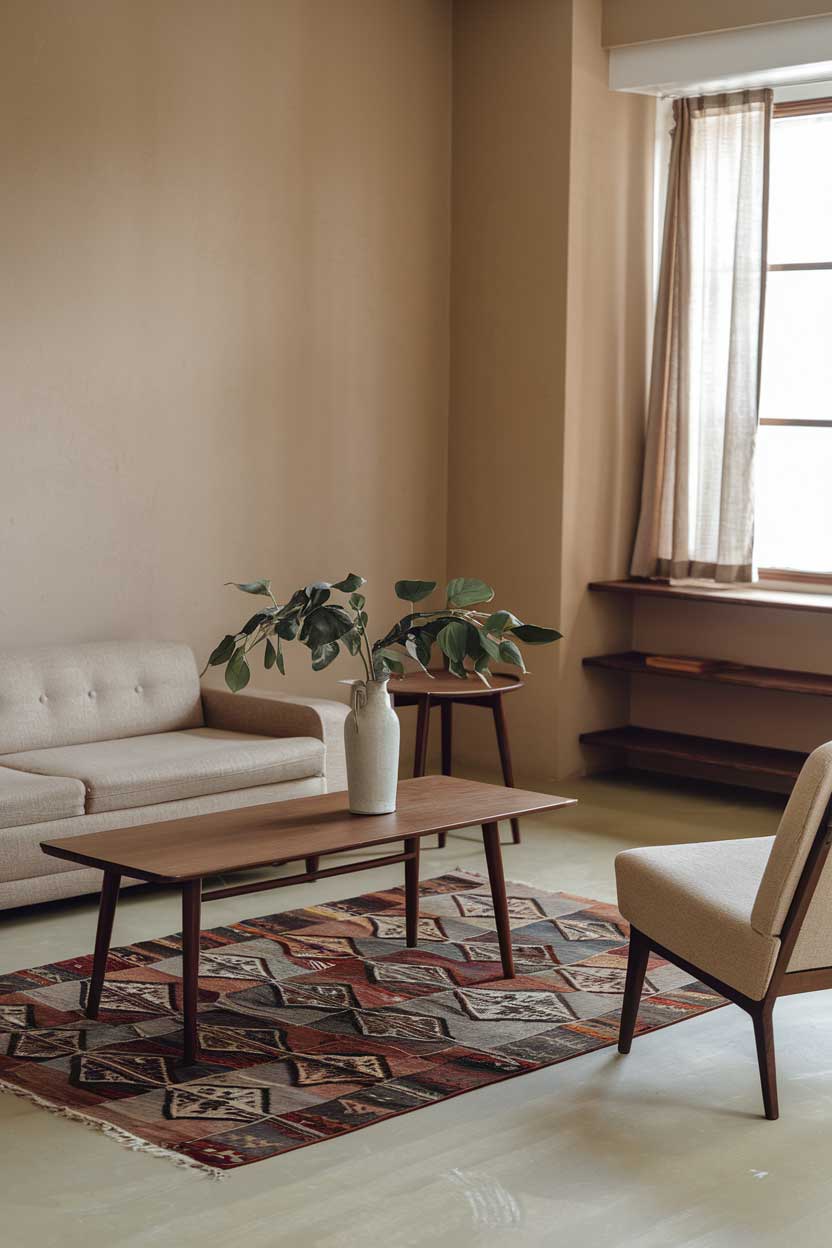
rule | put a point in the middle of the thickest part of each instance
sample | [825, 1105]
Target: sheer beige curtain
[697, 513]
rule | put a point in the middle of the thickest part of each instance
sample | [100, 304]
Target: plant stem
[362, 634]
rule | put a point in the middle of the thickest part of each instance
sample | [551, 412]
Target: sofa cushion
[169, 766]
[696, 900]
[66, 695]
[25, 798]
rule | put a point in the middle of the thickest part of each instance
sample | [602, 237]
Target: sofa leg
[312, 864]
[764, 1036]
[636, 970]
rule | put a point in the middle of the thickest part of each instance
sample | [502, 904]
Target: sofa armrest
[280, 715]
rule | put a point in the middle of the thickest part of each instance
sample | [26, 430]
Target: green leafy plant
[469, 639]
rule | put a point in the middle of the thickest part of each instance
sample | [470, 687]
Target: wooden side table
[423, 692]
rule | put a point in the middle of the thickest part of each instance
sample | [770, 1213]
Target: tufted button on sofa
[117, 734]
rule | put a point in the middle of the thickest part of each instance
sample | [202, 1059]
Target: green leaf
[281, 662]
[237, 674]
[453, 640]
[482, 669]
[490, 646]
[269, 655]
[509, 653]
[414, 591]
[534, 636]
[252, 587]
[434, 627]
[473, 642]
[411, 648]
[323, 655]
[287, 627]
[352, 641]
[387, 660]
[500, 622]
[323, 625]
[456, 668]
[351, 582]
[254, 623]
[223, 652]
[318, 593]
[357, 601]
[424, 647]
[466, 591]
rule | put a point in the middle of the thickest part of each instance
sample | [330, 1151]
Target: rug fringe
[125, 1138]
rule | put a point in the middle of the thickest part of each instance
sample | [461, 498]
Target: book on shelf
[679, 663]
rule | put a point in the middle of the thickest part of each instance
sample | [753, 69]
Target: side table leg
[491, 841]
[106, 913]
[191, 903]
[422, 726]
[505, 755]
[411, 891]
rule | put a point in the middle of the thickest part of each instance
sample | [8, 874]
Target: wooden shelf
[779, 599]
[722, 672]
[708, 751]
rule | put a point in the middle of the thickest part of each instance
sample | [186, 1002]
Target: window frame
[798, 108]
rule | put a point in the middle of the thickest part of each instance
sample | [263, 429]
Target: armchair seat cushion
[169, 766]
[696, 901]
[25, 798]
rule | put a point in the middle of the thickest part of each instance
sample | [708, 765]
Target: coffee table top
[255, 836]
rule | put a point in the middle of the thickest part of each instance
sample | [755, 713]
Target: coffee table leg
[491, 841]
[106, 914]
[191, 901]
[411, 891]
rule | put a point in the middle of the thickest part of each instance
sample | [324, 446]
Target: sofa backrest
[66, 695]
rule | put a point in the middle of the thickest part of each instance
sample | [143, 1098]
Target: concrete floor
[663, 1148]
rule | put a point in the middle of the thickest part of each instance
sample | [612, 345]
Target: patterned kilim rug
[316, 1022]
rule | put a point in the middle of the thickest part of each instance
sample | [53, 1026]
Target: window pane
[793, 526]
[800, 190]
[797, 359]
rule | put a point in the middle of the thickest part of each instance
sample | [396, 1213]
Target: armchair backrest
[802, 819]
[71, 694]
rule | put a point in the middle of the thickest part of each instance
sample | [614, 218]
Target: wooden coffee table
[181, 852]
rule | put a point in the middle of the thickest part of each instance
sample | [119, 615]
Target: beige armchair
[750, 918]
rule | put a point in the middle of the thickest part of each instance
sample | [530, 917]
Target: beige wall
[641, 21]
[508, 331]
[549, 300]
[224, 240]
[230, 307]
[608, 300]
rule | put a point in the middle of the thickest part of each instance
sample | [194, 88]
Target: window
[793, 526]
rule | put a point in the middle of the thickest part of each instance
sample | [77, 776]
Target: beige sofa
[117, 734]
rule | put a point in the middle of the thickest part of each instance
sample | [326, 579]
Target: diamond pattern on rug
[391, 973]
[317, 1022]
[490, 1005]
[214, 1100]
[480, 905]
[584, 927]
[388, 927]
[232, 966]
[133, 998]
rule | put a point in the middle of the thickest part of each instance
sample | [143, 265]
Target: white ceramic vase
[371, 740]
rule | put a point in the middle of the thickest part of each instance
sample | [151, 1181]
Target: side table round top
[442, 685]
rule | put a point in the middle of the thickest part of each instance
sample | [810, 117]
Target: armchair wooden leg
[636, 970]
[764, 1036]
